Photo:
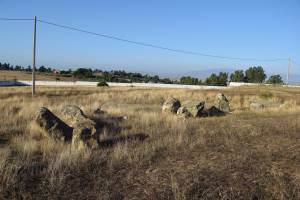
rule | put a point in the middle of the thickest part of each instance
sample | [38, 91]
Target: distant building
[56, 72]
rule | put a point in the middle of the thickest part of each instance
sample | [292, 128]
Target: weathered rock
[222, 103]
[260, 105]
[212, 111]
[73, 112]
[256, 106]
[83, 136]
[98, 112]
[171, 105]
[195, 108]
[84, 128]
[183, 112]
[53, 126]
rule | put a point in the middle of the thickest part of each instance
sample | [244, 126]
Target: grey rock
[53, 126]
[84, 128]
[256, 106]
[212, 112]
[222, 103]
[195, 108]
[183, 112]
[171, 105]
[73, 112]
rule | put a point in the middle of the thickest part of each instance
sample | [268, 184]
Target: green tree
[217, 80]
[83, 73]
[255, 75]
[275, 79]
[237, 76]
[42, 69]
[212, 80]
[189, 80]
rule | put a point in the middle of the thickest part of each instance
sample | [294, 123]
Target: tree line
[251, 75]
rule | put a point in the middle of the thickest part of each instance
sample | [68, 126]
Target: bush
[102, 84]
[275, 79]
[266, 95]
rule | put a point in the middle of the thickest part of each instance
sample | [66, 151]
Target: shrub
[266, 95]
[275, 79]
[102, 84]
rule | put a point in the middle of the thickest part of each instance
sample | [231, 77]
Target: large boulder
[52, 125]
[195, 108]
[84, 128]
[183, 112]
[73, 112]
[171, 105]
[83, 136]
[222, 103]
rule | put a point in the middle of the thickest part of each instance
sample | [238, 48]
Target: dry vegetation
[244, 155]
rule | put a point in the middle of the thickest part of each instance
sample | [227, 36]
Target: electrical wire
[157, 46]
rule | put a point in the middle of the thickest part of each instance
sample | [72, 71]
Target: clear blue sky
[254, 28]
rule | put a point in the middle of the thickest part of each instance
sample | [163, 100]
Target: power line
[143, 43]
[158, 46]
[15, 19]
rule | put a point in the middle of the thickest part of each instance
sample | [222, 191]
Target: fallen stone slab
[213, 111]
[52, 125]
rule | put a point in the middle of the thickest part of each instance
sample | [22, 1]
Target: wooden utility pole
[33, 59]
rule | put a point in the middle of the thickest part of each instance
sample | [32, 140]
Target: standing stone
[171, 105]
[222, 103]
[54, 126]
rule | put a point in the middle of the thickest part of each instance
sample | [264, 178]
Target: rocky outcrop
[197, 108]
[171, 105]
[52, 125]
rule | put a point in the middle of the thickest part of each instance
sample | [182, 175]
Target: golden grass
[244, 155]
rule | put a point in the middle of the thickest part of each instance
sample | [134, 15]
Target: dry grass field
[152, 155]
[20, 75]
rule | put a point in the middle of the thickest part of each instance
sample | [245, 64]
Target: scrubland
[149, 154]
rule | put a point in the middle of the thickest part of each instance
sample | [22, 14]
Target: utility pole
[288, 72]
[33, 59]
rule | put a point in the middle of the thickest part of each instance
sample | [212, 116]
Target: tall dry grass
[150, 155]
